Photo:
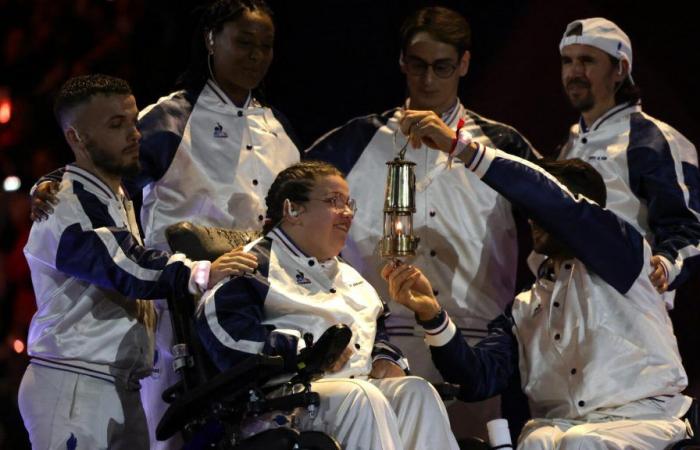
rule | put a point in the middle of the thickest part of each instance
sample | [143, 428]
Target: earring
[210, 37]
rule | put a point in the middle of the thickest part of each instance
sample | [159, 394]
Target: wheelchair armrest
[200, 242]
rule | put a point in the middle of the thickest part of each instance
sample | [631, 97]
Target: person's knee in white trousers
[624, 434]
[65, 410]
[388, 414]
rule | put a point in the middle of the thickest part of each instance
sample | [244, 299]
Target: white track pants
[393, 413]
[656, 434]
[70, 411]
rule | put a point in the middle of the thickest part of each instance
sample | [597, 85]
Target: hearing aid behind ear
[290, 211]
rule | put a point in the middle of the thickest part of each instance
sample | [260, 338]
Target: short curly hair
[81, 89]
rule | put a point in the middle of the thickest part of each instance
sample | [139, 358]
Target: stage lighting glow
[5, 110]
[18, 346]
[11, 184]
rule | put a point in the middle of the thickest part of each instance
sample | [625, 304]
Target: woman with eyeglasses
[301, 286]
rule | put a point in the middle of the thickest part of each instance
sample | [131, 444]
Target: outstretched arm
[481, 371]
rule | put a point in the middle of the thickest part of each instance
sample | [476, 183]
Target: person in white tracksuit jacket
[91, 341]
[468, 233]
[209, 152]
[301, 286]
[649, 168]
[591, 339]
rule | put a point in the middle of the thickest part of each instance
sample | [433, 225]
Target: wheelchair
[211, 408]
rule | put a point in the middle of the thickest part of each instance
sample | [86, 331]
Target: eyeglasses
[339, 203]
[442, 68]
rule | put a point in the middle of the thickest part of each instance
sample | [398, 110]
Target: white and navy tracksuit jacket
[88, 266]
[289, 295]
[468, 239]
[592, 338]
[207, 161]
[651, 173]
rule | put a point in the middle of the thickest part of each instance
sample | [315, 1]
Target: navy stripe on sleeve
[652, 175]
[93, 207]
[162, 129]
[343, 146]
[109, 256]
[239, 313]
[84, 255]
[607, 245]
[504, 137]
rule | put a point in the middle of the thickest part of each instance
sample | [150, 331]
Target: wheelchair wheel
[316, 440]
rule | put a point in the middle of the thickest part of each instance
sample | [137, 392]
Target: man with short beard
[90, 341]
[649, 168]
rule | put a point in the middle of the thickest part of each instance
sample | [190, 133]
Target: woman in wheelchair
[301, 286]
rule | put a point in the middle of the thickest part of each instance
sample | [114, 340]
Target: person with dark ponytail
[211, 150]
[301, 286]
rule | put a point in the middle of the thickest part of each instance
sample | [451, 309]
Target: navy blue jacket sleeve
[344, 145]
[107, 254]
[673, 219]
[607, 245]
[162, 128]
[230, 320]
[483, 370]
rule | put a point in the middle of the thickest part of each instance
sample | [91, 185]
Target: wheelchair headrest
[200, 242]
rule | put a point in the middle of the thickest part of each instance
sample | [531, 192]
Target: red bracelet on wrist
[460, 124]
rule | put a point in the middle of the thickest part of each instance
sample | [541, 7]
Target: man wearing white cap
[649, 168]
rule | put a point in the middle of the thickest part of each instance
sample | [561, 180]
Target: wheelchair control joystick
[316, 358]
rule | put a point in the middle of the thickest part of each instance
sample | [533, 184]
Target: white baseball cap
[600, 33]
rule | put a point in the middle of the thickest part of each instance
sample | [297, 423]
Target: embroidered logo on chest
[219, 131]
